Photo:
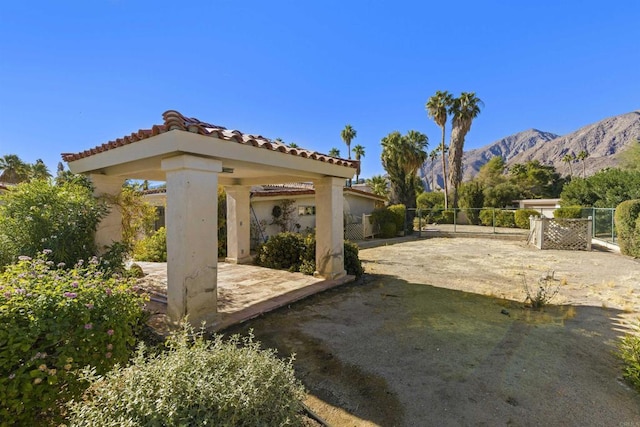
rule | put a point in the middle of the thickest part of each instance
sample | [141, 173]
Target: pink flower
[88, 326]
[108, 291]
[89, 306]
[70, 294]
[110, 332]
[108, 355]
[109, 347]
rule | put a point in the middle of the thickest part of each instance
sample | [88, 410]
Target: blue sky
[75, 74]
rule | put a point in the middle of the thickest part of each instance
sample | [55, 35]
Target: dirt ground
[437, 334]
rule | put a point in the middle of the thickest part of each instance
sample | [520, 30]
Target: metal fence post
[454, 220]
[493, 211]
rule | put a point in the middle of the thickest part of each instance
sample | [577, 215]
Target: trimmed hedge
[503, 218]
[627, 221]
[568, 212]
[386, 220]
[399, 212]
[521, 217]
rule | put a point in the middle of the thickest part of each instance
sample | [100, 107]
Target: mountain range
[603, 140]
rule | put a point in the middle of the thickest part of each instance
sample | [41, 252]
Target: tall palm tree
[568, 159]
[334, 152]
[582, 156]
[438, 108]
[358, 151]
[347, 135]
[433, 155]
[463, 109]
[39, 170]
[14, 170]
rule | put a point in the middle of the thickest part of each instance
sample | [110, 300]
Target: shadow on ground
[391, 353]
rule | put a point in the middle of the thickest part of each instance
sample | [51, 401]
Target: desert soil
[437, 334]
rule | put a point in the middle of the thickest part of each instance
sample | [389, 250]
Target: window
[306, 210]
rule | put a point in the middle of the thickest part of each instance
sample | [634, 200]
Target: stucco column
[192, 237]
[109, 229]
[329, 228]
[238, 224]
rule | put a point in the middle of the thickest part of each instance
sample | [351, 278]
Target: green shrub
[629, 352]
[386, 220]
[152, 248]
[568, 212]
[521, 217]
[399, 212]
[486, 217]
[218, 383]
[446, 217]
[352, 262]
[38, 215]
[503, 217]
[471, 199]
[627, 221]
[54, 321]
[282, 251]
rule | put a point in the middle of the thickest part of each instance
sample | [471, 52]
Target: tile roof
[173, 120]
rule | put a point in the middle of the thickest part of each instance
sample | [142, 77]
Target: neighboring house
[544, 206]
[300, 197]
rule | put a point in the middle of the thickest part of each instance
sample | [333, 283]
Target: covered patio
[193, 158]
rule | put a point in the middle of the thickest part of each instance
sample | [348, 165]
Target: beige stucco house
[193, 158]
[302, 200]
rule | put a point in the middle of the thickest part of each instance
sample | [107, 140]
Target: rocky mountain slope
[602, 140]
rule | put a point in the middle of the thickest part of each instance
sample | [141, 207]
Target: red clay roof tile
[173, 120]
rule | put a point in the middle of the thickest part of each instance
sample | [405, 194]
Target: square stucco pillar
[329, 228]
[238, 224]
[109, 229]
[192, 237]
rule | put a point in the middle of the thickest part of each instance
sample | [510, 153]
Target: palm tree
[14, 170]
[334, 152]
[293, 145]
[347, 135]
[379, 185]
[39, 170]
[463, 109]
[582, 156]
[401, 157]
[358, 151]
[433, 155]
[568, 159]
[438, 108]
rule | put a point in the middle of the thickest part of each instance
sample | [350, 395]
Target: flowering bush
[54, 321]
[38, 215]
[195, 383]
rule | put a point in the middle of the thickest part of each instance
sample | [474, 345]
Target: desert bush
[195, 382]
[568, 212]
[521, 217]
[54, 321]
[629, 352]
[471, 199]
[352, 263]
[152, 248]
[547, 288]
[446, 217]
[399, 212]
[38, 215]
[627, 221]
[386, 220]
[282, 251]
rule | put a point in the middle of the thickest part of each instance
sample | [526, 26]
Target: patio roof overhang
[246, 159]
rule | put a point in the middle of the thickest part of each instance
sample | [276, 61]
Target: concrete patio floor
[244, 292]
